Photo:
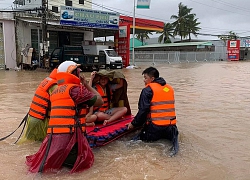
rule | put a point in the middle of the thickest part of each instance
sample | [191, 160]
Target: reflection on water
[213, 105]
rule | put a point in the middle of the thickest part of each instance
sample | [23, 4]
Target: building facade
[7, 41]
[29, 26]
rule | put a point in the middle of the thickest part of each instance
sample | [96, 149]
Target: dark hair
[74, 72]
[151, 72]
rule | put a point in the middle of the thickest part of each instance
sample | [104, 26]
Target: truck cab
[76, 54]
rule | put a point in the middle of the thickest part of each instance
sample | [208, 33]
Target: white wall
[88, 36]
[37, 3]
[9, 43]
[23, 35]
[75, 4]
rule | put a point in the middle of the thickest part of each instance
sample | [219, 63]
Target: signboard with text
[122, 39]
[89, 18]
[233, 50]
[143, 4]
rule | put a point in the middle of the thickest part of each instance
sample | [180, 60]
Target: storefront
[79, 27]
[71, 30]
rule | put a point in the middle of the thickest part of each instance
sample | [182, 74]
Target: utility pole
[44, 27]
[133, 42]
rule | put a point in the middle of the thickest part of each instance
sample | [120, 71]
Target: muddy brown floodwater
[213, 108]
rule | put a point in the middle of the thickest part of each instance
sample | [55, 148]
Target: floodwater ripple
[212, 104]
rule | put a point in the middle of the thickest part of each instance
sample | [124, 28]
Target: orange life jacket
[105, 99]
[40, 104]
[65, 115]
[162, 109]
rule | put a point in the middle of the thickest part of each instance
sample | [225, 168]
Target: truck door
[56, 57]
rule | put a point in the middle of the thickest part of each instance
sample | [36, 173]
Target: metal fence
[176, 57]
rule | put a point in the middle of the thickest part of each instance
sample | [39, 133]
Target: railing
[176, 57]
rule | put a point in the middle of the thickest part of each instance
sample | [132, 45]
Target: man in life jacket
[38, 115]
[65, 143]
[156, 111]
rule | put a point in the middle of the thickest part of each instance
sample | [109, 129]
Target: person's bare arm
[120, 84]
[99, 100]
[92, 76]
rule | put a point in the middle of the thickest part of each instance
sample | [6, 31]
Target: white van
[113, 60]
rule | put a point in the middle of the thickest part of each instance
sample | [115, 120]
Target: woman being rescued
[105, 113]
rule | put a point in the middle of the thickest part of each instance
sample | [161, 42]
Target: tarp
[120, 97]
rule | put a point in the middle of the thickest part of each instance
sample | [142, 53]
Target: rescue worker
[156, 111]
[65, 143]
[38, 115]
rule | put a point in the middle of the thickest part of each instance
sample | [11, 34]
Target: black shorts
[152, 132]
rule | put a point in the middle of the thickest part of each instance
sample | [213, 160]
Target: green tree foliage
[185, 22]
[143, 35]
[166, 33]
[193, 27]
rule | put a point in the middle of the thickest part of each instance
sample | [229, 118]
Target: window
[34, 39]
[56, 52]
[68, 3]
[81, 1]
[101, 53]
[19, 2]
[76, 39]
[55, 9]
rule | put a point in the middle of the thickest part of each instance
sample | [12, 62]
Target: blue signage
[232, 57]
[89, 18]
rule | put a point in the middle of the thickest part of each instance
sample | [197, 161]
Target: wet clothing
[65, 148]
[119, 96]
[152, 131]
[37, 122]
[64, 111]
[41, 103]
[106, 97]
[162, 109]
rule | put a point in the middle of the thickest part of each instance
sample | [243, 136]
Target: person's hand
[130, 126]
[92, 75]
[83, 80]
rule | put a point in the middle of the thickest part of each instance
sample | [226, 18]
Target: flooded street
[212, 106]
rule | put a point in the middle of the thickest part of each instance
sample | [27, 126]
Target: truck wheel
[97, 68]
[107, 66]
[94, 68]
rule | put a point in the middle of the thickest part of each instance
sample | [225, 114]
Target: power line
[200, 33]
[231, 5]
[146, 23]
[217, 8]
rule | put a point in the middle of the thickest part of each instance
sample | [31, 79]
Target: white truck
[113, 60]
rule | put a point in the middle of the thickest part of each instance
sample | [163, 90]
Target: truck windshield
[111, 53]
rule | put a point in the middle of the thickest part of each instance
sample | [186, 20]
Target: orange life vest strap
[66, 126]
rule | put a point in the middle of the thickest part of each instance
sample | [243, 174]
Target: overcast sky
[216, 16]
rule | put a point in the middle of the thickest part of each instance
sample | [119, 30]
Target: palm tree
[181, 21]
[166, 33]
[192, 27]
[143, 35]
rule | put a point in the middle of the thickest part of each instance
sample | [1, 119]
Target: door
[2, 56]
[64, 38]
